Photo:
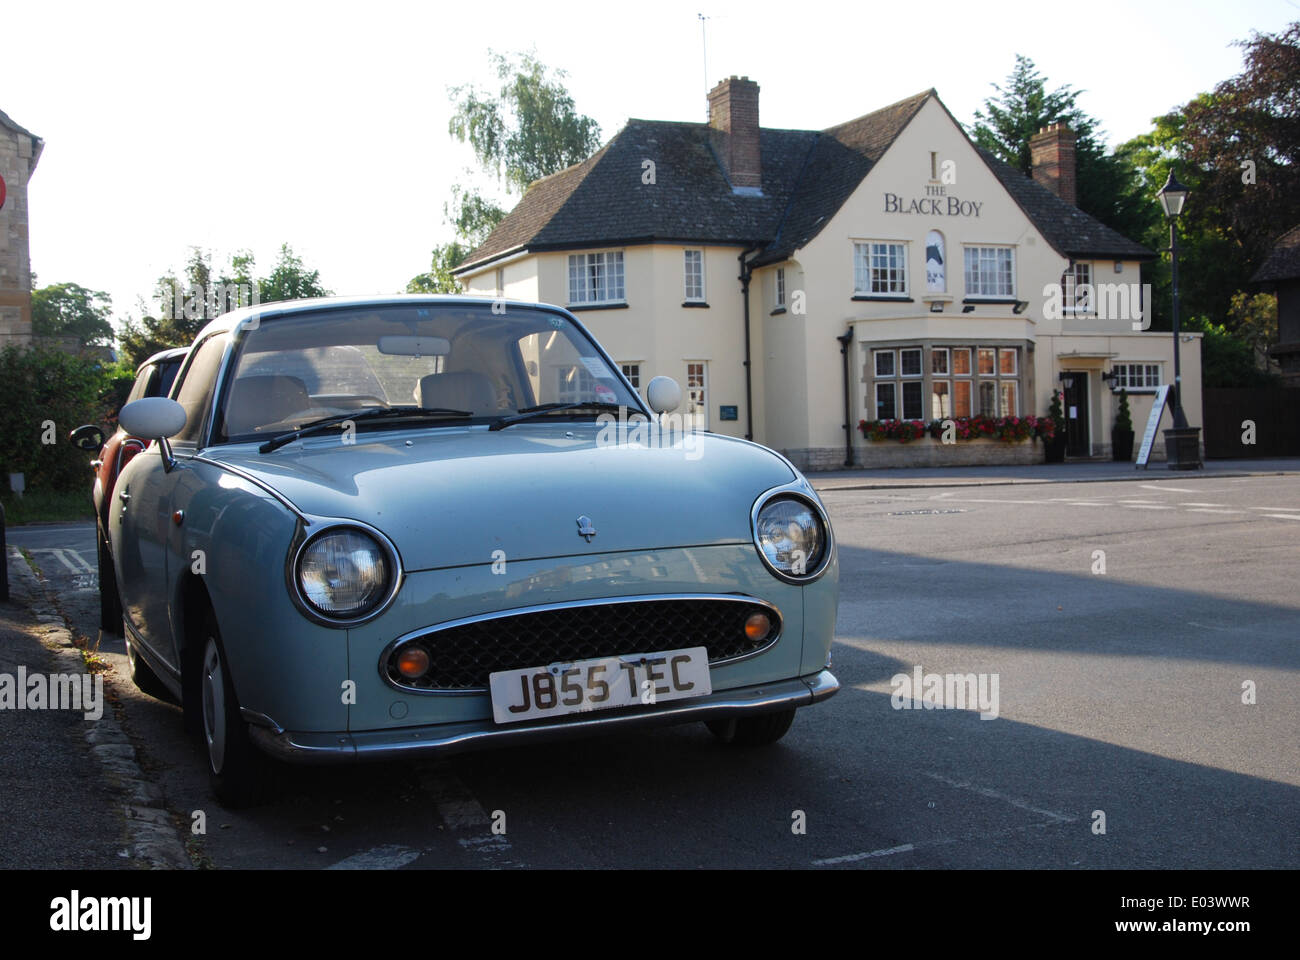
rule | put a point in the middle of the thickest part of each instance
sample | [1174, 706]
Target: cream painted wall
[654, 329]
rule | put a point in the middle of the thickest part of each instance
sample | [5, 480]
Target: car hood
[455, 496]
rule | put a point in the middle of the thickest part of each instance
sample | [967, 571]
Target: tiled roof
[807, 177]
[1284, 262]
[1066, 227]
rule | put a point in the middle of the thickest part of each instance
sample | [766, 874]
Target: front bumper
[448, 738]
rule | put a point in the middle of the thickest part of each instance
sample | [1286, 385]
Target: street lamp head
[1172, 196]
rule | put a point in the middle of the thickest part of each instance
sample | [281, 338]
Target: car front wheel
[752, 731]
[237, 771]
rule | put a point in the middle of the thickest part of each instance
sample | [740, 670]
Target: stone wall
[926, 452]
[18, 153]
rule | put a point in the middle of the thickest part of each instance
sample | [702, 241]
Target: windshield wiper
[529, 413]
[384, 413]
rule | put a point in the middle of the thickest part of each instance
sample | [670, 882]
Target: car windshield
[294, 369]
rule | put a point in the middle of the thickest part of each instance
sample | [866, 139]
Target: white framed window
[596, 278]
[887, 400]
[884, 363]
[961, 398]
[909, 362]
[941, 399]
[880, 268]
[988, 398]
[939, 361]
[913, 409]
[697, 388]
[694, 275]
[1136, 376]
[986, 357]
[990, 272]
[1008, 398]
[1076, 289]
[633, 373]
[499, 283]
[1008, 363]
[780, 286]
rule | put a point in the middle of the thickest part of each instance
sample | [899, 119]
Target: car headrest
[262, 400]
[461, 390]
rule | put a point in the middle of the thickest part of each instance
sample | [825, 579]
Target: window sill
[610, 305]
[992, 301]
[882, 298]
[695, 303]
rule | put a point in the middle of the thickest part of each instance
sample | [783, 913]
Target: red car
[153, 379]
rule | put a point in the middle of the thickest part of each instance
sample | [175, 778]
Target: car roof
[171, 353]
[228, 321]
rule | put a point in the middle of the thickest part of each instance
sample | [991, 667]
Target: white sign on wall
[935, 271]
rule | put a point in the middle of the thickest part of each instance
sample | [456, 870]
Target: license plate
[580, 686]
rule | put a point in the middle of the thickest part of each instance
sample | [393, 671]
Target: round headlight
[344, 574]
[791, 536]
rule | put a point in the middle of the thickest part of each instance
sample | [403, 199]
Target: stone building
[20, 149]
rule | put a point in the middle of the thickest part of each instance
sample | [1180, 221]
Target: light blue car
[381, 527]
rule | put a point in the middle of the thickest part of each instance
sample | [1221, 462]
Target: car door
[150, 541]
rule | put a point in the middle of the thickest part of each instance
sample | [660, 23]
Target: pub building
[884, 268]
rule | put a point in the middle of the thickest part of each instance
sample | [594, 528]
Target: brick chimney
[1051, 153]
[733, 113]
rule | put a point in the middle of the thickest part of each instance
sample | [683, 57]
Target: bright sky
[324, 124]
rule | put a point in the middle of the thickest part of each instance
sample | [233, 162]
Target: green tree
[289, 278]
[70, 310]
[182, 306]
[1023, 107]
[44, 394]
[530, 129]
[439, 279]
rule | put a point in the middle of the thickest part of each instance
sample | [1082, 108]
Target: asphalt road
[1124, 623]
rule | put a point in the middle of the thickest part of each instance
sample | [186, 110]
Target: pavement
[1077, 471]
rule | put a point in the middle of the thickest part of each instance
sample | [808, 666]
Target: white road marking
[459, 810]
[972, 500]
[995, 795]
[1146, 506]
[66, 556]
[1086, 503]
[1137, 501]
[854, 857]
[1190, 503]
[389, 857]
[1152, 486]
[1213, 510]
[1283, 516]
[1289, 509]
[1054, 818]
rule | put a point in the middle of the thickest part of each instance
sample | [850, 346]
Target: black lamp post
[1182, 443]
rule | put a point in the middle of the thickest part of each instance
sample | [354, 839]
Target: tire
[142, 674]
[752, 731]
[110, 605]
[237, 771]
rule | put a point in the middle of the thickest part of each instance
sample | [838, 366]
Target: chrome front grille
[463, 653]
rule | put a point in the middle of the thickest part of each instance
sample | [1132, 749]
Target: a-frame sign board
[1153, 424]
